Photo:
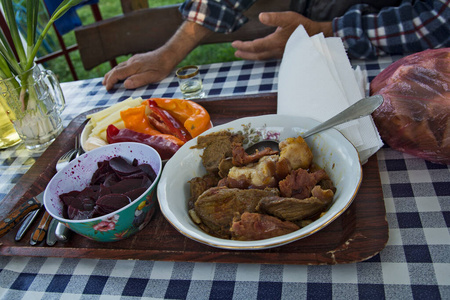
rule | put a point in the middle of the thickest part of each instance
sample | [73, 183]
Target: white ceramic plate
[332, 151]
[85, 134]
[87, 131]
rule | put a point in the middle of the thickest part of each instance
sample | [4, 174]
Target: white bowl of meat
[214, 193]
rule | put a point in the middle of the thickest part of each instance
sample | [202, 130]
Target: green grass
[204, 54]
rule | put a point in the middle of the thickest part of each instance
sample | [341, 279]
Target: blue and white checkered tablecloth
[414, 265]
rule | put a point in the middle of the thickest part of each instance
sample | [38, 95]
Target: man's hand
[140, 70]
[272, 46]
[153, 66]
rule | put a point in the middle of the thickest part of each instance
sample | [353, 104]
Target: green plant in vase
[31, 97]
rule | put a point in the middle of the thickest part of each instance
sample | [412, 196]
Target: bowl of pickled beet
[107, 194]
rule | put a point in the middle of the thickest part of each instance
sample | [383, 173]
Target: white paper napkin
[316, 80]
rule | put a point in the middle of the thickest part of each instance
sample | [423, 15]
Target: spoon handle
[362, 108]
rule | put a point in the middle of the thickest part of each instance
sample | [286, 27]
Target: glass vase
[33, 102]
[8, 135]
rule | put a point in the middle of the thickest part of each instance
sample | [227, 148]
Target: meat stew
[257, 196]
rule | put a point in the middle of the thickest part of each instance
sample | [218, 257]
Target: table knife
[27, 223]
[19, 213]
[40, 232]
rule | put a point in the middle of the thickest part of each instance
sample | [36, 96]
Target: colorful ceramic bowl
[77, 174]
[331, 150]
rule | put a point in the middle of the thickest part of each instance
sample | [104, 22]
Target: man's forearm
[187, 37]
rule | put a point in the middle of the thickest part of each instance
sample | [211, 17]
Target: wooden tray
[358, 234]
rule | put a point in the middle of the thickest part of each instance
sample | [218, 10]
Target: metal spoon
[361, 108]
[59, 231]
[62, 233]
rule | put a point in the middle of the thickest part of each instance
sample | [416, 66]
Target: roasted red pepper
[163, 121]
[135, 119]
[193, 116]
[164, 147]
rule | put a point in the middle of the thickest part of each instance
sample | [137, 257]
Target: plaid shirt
[219, 16]
[411, 27]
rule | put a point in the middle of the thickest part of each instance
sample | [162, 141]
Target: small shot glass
[190, 82]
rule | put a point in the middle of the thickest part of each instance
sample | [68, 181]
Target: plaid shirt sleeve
[411, 27]
[219, 16]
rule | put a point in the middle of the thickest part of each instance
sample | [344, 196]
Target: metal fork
[68, 156]
[78, 147]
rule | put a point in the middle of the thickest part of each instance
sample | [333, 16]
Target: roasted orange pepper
[192, 115]
[135, 119]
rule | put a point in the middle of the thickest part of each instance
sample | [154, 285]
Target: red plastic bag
[415, 115]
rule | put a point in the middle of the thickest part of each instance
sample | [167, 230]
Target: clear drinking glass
[190, 82]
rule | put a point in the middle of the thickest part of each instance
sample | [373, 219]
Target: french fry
[104, 123]
[101, 115]
[102, 134]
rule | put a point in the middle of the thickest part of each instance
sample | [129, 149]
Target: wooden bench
[146, 29]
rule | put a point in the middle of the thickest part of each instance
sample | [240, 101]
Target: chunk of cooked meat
[257, 196]
[234, 183]
[198, 185]
[293, 209]
[256, 175]
[282, 169]
[254, 226]
[224, 166]
[299, 183]
[297, 152]
[327, 184]
[242, 158]
[217, 206]
[217, 146]
[322, 194]
[204, 140]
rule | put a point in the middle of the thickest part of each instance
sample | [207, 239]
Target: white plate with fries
[99, 121]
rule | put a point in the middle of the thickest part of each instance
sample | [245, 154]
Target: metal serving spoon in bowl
[361, 108]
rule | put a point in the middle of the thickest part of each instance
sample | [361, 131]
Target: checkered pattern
[220, 79]
[414, 265]
[219, 16]
[407, 27]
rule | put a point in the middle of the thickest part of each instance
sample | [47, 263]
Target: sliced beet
[104, 190]
[112, 202]
[121, 166]
[126, 185]
[111, 179]
[146, 182]
[102, 171]
[67, 198]
[76, 214]
[134, 194]
[113, 185]
[148, 169]
[139, 174]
